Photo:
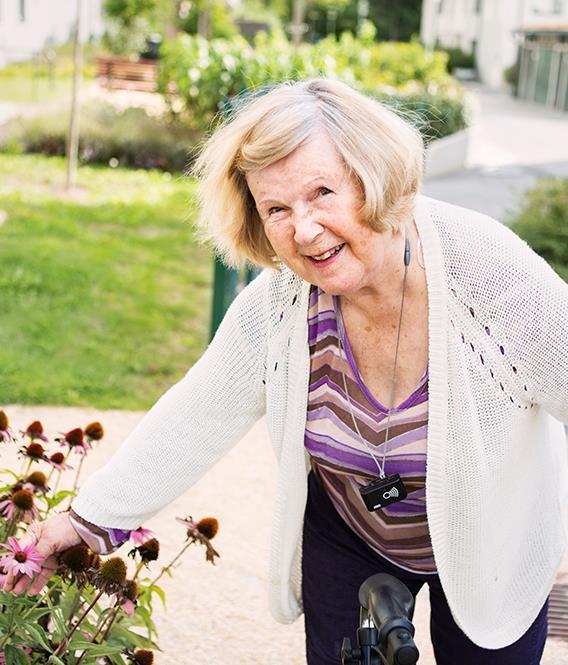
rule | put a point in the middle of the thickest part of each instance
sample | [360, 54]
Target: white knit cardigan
[496, 484]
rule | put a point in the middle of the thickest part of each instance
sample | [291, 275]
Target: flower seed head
[35, 451]
[208, 527]
[34, 430]
[75, 437]
[3, 420]
[57, 458]
[130, 590]
[37, 478]
[94, 431]
[113, 570]
[77, 558]
[143, 657]
[23, 499]
[150, 550]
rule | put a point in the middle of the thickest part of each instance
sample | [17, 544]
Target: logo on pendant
[393, 492]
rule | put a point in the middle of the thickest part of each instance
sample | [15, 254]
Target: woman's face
[309, 208]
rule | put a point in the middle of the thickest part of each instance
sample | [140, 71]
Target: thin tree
[298, 26]
[73, 136]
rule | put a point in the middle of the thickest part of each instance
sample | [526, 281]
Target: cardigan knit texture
[496, 484]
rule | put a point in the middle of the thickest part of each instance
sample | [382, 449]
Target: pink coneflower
[5, 431]
[34, 452]
[94, 431]
[36, 482]
[57, 460]
[35, 431]
[20, 505]
[75, 440]
[140, 536]
[202, 532]
[21, 560]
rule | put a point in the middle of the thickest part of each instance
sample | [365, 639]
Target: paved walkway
[513, 143]
[216, 614]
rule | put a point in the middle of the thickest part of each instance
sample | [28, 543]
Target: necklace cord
[341, 332]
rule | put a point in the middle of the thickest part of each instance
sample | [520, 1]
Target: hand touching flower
[20, 559]
[49, 537]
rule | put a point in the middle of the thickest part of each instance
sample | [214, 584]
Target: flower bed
[91, 610]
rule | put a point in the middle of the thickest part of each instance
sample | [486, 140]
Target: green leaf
[15, 475]
[161, 593]
[54, 660]
[146, 617]
[94, 649]
[58, 620]
[15, 655]
[58, 498]
[131, 639]
[38, 634]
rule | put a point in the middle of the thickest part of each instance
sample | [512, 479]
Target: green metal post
[224, 292]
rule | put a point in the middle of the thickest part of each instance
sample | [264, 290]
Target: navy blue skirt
[335, 563]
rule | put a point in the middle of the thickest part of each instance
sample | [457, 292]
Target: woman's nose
[306, 229]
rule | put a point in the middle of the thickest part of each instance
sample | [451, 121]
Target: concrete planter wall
[447, 155]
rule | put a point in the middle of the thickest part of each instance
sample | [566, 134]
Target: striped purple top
[101, 540]
[398, 532]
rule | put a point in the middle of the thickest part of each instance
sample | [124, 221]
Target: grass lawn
[105, 297]
[29, 90]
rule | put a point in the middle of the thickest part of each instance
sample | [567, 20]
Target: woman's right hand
[50, 537]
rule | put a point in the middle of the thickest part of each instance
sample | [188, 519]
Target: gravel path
[218, 614]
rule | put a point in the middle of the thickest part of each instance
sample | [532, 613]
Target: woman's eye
[273, 210]
[324, 190]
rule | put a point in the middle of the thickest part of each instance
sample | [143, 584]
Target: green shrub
[435, 115]
[511, 75]
[543, 222]
[132, 137]
[221, 22]
[456, 57]
[199, 77]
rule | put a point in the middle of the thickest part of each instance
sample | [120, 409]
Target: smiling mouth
[328, 254]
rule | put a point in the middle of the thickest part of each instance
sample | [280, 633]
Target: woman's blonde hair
[379, 148]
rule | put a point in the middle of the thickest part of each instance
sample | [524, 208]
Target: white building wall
[28, 26]
[488, 27]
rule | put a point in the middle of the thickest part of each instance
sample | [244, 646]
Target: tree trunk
[73, 136]
[298, 28]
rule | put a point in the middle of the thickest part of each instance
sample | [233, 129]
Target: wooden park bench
[119, 73]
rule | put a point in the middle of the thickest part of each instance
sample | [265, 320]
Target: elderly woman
[411, 359]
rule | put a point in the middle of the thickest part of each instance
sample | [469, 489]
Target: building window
[558, 6]
[478, 6]
[22, 10]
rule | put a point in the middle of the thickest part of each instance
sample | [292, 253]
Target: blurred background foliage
[104, 292]
[542, 221]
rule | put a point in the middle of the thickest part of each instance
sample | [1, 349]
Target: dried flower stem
[138, 569]
[11, 528]
[23, 473]
[78, 472]
[60, 473]
[109, 619]
[165, 570]
[66, 639]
